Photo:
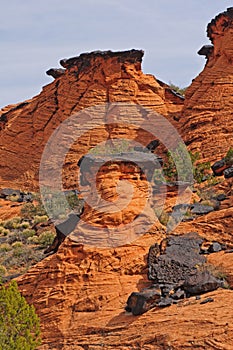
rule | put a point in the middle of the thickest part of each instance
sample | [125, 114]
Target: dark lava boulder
[201, 282]
[177, 262]
[177, 268]
[140, 302]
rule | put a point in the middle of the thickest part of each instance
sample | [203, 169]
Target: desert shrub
[200, 171]
[21, 258]
[30, 210]
[14, 237]
[162, 216]
[18, 252]
[229, 157]
[28, 233]
[177, 89]
[12, 223]
[73, 200]
[175, 160]
[5, 247]
[24, 225]
[16, 245]
[19, 324]
[46, 238]
[4, 231]
[3, 271]
[38, 219]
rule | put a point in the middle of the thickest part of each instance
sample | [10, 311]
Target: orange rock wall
[90, 80]
[208, 109]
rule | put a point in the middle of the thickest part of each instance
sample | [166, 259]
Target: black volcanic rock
[55, 72]
[177, 269]
[84, 60]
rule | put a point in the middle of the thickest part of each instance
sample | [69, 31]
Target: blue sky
[34, 36]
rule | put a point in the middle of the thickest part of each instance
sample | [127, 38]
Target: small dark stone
[165, 302]
[204, 251]
[177, 260]
[166, 289]
[228, 172]
[215, 247]
[198, 297]
[221, 197]
[207, 300]
[179, 294]
[55, 72]
[206, 50]
[3, 239]
[218, 167]
[200, 209]
[140, 302]
[152, 145]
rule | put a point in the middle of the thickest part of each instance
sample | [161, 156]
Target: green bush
[16, 245]
[30, 210]
[2, 271]
[12, 223]
[4, 231]
[24, 224]
[19, 324]
[28, 233]
[229, 157]
[46, 238]
[5, 247]
[38, 219]
[177, 89]
[175, 160]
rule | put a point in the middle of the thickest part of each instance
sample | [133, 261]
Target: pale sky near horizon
[36, 35]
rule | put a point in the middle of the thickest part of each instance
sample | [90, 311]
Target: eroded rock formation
[208, 113]
[80, 292]
[87, 80]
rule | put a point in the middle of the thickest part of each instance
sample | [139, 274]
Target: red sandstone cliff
[88, 80]
[208, 113]
[80, 292]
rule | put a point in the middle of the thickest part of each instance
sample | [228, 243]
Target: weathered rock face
[88, 80]
[80, 292]
[80, 295]
[208, 114]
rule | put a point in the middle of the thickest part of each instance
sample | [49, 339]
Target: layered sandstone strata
[90, 79]
[208, 110]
